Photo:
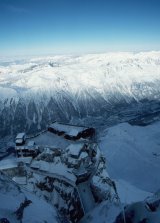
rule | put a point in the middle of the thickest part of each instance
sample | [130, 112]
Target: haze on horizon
[78, 26]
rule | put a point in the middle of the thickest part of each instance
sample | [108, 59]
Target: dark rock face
[20, 210]
[20, 117]
[5, 122]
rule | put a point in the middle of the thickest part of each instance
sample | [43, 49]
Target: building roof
[74, 149]
[27, 147]
[19, 140]
[20, 135]
[71, 130]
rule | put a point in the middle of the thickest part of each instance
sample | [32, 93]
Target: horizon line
[78, 53]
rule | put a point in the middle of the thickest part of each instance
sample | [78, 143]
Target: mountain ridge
[37, 91]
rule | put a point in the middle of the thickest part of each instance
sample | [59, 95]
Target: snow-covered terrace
[48, 139]
[58, 170]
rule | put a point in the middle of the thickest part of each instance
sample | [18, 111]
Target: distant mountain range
[111, 87]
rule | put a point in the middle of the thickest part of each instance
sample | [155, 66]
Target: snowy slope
[133, 154]
[129, 193]
[133, 157]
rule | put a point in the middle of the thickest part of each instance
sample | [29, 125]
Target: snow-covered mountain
[36, 91]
